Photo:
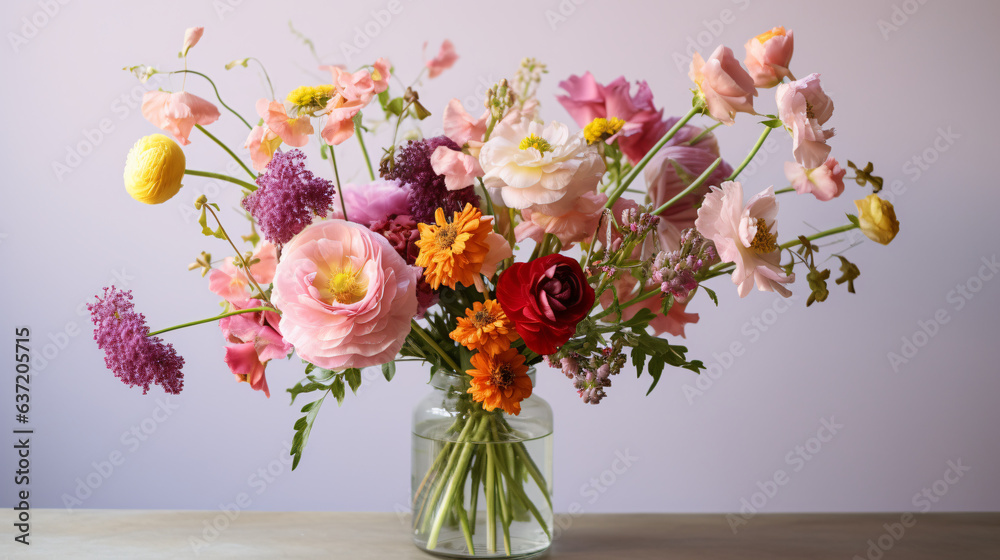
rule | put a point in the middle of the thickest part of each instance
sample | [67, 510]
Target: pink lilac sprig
[137, 359]
[288, 197]
[677, 271]
[638, 223]
[590, 375]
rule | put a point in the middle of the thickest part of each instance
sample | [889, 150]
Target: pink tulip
[804, 107]
[723, 84]
[444, 60]
[768, 57]
[177, 112]
[825, 182]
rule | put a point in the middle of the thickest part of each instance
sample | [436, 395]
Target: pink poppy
[768, 57]
[177, 112]
[294, 132]
[460, 126]
[825, 182]
[459, 169]
[804, 108]
[723, 84]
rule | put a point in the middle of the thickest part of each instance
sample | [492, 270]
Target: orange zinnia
[453, 253]
[500, 381]
[485, 327]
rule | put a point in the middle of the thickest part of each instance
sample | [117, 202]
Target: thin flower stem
[819, 235]
[228, 151]
[220, 177]
[246, 266]
[649, 155]
[750, 156]
[433, 344]
[703, 134]
[266, 76]
[638, 299]
[212, 319]
[491, 507]
[217, 96]
[457, 477]
[789, 189]
[336, 176]
[691, 188]
[439, 485]
[368, 161]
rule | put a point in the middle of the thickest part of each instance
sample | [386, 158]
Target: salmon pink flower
[232, 284]
[745, 236]
[255, 340]
[459, 169]
[723, 85]
[460, 126]
[825, 182]
[672, 323]
[262, 143]
[177, 112]
[340, 119]
[346, 296]
[804, 108]
[191, 37]
[294, 132]
[444, 60]
[768, 57]
[381, 72]
[577, 224]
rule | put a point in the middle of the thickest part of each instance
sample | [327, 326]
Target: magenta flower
[255, 340]
[135, 358]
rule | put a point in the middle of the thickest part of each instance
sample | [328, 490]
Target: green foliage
[849, 272]
[864, 176]
[389, 370]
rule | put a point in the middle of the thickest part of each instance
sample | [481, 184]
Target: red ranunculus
[545, 298]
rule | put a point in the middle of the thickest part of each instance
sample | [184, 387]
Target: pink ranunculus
[588, 100]
[459, 169]
[724, 85]
[444, 60]
[825, 182]
[804, 108]
[670, 172]
[578, 224]
[262, 143]
[177, 112]
[768, 57]
[294, 132]
[460, 126]
[746, 236]
[346, 296]
[381, 72]
[191, 37]
[371, 202]
[255, 340]
[231, 283]
[340, 119]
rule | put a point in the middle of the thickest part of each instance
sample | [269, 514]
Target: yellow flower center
[445, 237]
[601, 129]
[347, 286]
[776, 32]
[310, 96]
[536, 142]
[764, 241]
[376, 75]
[502, 376]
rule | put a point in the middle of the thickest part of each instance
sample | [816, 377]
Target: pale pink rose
[670, 172]
[262, 143]
[340, 119]
[294, 132]
[346, 296]
[191, 37]
[460, 170]
[444, 60]
[255, 341]
[804, 108]
[460, 126]
[826, 182]
[588, 100]
[746, 236]
[577, 224]
[177, 112]
[372, 202]
[381, 72]
[231, 283]
[768, 57]
[724, 85]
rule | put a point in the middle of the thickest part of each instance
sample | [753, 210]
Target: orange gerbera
[500, 381]
[454, 253]
[485, 327]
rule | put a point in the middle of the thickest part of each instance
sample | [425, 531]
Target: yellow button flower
[154, 169]
[877, 218]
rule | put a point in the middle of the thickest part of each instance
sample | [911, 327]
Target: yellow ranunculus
[154, 169]
[877, 218]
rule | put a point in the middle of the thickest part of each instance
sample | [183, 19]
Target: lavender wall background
[913, 83]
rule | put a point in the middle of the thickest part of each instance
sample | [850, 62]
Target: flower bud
[877, 219]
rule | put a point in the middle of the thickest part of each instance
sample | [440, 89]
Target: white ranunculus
[539, 166]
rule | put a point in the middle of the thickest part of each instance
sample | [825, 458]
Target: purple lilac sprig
[428, 192]
[590, 375]
[137, 359]
[677, 271]
[288, 197]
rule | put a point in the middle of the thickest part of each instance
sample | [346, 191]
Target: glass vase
[481, 481]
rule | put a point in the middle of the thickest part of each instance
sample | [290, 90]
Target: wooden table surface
[128, 534]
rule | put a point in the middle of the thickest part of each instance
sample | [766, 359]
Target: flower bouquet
[506, 242]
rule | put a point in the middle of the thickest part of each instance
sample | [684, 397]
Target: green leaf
[640, 320]
[337, 389]
[383, 99]
[353, 376]
[320, 375]
[854, 220]
[306, 386]
[655, 369]
[395, 106]
[357, 121]
[389, 370]
[303, 426]
[421, 111]
[772, 123]
[711, 294]
[638, 360]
